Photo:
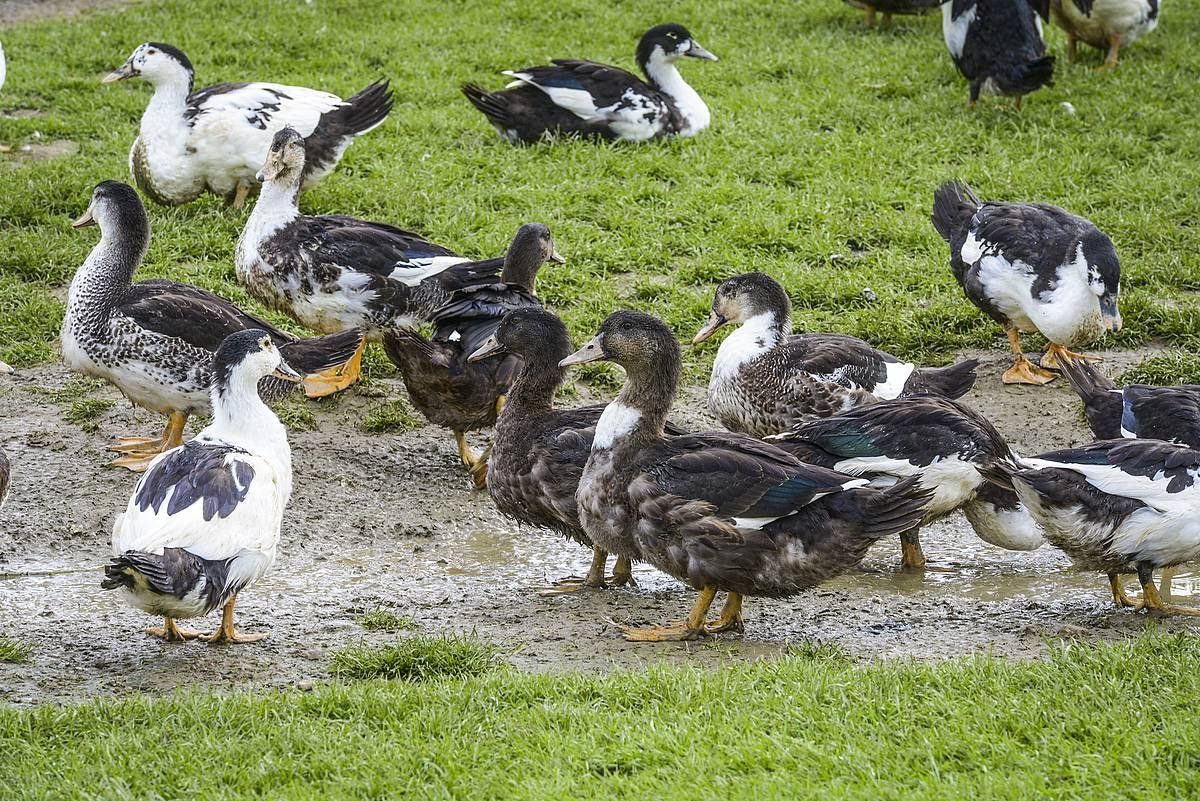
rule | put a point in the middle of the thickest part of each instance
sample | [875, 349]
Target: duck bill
[715, 321]
[490, 347]
[84, 220]
[286, 373]
[1110, 316]
[122, 72]
[557, 258]
[593, 351]
[696, 51]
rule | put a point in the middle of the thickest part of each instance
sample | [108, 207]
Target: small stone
[1067, 107]
[304, 686]
[870, 295]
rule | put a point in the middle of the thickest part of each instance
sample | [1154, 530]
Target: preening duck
[331, 272]
[214, 139]
[1138, 410]
[155, 340]
[1104, 24]
[997, 45]
[441, 383]
[765, 380]
[718, 510]
[584, 98]
[1031, 267]
[942, 443]
[889, 7]
[203, 522]
[1116, 506]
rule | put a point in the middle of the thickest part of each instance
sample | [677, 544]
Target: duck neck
[108, 270]
[521, 267]
[754, 337]
[637, 415]
[276, 207]
[665, 77]
[164, 122]
[540, 377]
[239, 415]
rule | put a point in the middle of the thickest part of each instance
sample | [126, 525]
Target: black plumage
[997, 45]
[197, 473]
[889, 7]
[176, 573]
[1138, 410]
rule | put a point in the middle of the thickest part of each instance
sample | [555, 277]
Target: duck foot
[1120, 598]
[911, 555]
[680, 630]
[476, 463]
[1153, 602]
[138, 452]
[730, 618]
[594, 580]
[1024, 371]
[1054, 355]
[622, 575]
[335, 379]
[136, 463]
[1114, 53]
[226, 632]
[172, 631]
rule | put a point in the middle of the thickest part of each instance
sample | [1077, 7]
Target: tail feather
[884, 512]
[952, 381]
[173, 572]
[491, 104]
[362, 112]
[999, 472]
[1028, 77]
[953, 204]
[1101, 404]
[316, 354]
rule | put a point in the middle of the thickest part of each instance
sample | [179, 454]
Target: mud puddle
[388, 521]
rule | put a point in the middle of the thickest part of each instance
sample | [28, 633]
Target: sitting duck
[997, 45]
[331, 272]
[718, 510]
[942, 443]
[1031, 267]
[1104, 24]
[215, 139]
[1115, 506]
[155, 340]
[1138, 410]
[889, 7]
[584, 98]
[766, 380]
[441, 383]
[203, 522]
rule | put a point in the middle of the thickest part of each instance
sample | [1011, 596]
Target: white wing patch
[616, 421]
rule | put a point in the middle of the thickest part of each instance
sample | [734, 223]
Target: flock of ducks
[830, 444]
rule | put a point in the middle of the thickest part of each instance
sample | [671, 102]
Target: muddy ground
[388, 521]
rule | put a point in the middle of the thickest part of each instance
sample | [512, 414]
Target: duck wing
[191, 314]
[1162, 475]
[592, 91]
[263, 107]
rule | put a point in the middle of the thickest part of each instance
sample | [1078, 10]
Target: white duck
[215, 139]
[1104, 24]
[204, 520]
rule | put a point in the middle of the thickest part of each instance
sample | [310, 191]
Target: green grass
[383, 620]
[416, 659]
[1089, 723]
[1173, 367]
[392, 417]
[86, 412]
[826, 144]
[14, 651]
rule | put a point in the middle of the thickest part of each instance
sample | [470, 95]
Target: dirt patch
[15, 11]
[389, 521]
[43, 151]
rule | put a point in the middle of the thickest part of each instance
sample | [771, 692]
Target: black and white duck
[215, 139]
[886, 8]
[1104, 24]
[203, 522]
[331, 272]
[1115, 506]
[539, 452]
[154, 340]
[1031, 267]
[765, 379]
[584, 98]
[942, 443]
[1138, 410]
[441, 384]
[718, 510]
[997, 45]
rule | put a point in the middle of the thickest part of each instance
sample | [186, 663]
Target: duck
[331, 272]
[214, 139]
[1136, 411]
[5, 477]
[1104, 24]
[765, 379]
[938, 440]
[718, 510]
[155, 340]
[572, 97]
[997, 45]
[203, 522]
[1116, 506]
[1031, 267]
[889, 7]
[447, 389]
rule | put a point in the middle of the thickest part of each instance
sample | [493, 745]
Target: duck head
[285, 159]
[157, 63]
[628, 338]
[745, 297]
[1103, 274]
[532, 247]
[669, 43]
[527, 333]
[246, 357]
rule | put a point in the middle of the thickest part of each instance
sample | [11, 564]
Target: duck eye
[151, 52]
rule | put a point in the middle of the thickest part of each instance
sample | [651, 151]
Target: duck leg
[1118, 592]
[138, 459]
[172, 631]
[1072, 50]
[226, 632]
[622, 575]
[240, 194]
[1114, 53]
[1024, 371]
[1151, 600]
[869, 17]
[678, 630]
[911, 555]
[335, 379]
[594, 580]
[1055, 353]
[730, 618]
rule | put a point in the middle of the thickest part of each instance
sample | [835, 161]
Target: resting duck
[204, 520]
[155, 340]
[1116, 506]
[1104, 24]
[332, 273]
[1031, 267]
[939, 441]
[889, 7]
[1138, 410]
[997, 45]
[441, 384]
[583, 98]
[765, 380]
[214, 139]
[717, 510]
